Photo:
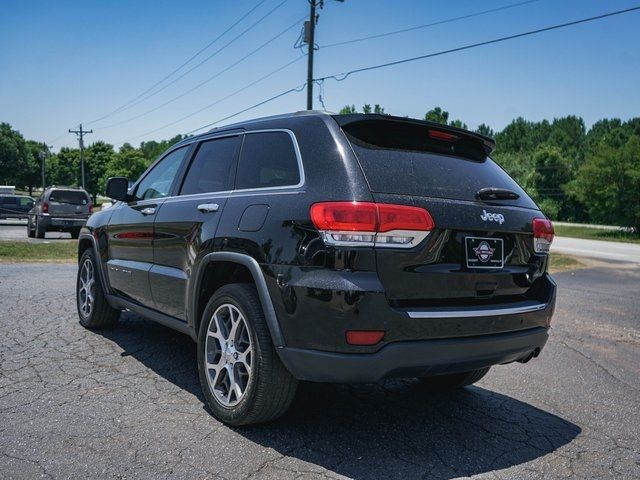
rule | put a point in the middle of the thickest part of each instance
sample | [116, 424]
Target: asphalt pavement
[126, 403]
[17, 230]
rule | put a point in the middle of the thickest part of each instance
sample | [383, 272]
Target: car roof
[64, 187]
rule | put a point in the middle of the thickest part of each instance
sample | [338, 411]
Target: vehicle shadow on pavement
[394, 429]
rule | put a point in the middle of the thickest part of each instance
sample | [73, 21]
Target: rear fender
[261, 286]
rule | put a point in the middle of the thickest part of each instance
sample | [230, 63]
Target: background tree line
[573, 173]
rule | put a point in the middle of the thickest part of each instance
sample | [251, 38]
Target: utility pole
[309, 38]
[80, 133]
[43, 155]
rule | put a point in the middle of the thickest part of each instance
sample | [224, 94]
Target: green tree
[96, 160]
[14, 156]
[366, 108]
[459, 124]
[486, 130]
[152, 150]
[129, 162]
[608, 183]
[31, 175]
[547, 179]
[568, 134]
[63, 168]
[437, 115]
[347, 109]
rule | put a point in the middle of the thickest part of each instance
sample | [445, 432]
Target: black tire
[101, 315]
[30, 232]
[439, 383]
[40, 230]
[270, 388]
[75, 233]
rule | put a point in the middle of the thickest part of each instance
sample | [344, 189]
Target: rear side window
[407, 164]
[73, 197]
[212, 167]
[268, 159]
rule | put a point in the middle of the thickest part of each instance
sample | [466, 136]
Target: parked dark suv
[345, 248]
[15, 206]
[59, 209]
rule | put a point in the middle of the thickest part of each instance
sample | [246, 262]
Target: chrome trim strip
[418, 237]
[489, 312]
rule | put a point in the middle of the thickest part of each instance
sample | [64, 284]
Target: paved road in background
[17, 230]
[126, 403]
[598, 249]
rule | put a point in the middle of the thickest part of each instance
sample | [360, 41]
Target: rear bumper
[414, 358]
[62, 223]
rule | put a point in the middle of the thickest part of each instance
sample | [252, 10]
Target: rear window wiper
[491, 193]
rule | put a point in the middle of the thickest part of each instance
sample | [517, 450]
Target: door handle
[148, 211]
[208, 207]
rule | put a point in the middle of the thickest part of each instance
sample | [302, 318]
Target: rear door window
[268, 159]
[212, 167]
[74, 197]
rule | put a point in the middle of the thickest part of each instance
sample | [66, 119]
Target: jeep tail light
[371, 224]
[364, 337]
[90, 209]
[45, 207]
[542, 235]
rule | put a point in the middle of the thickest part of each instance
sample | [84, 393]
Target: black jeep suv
[345, 248]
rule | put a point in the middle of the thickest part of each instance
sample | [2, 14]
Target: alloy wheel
[228, 355]
[86, 289]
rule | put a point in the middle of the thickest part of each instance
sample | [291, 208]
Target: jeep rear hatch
[480, 248]
[426, 159]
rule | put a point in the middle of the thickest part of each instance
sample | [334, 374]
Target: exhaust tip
[529, 356]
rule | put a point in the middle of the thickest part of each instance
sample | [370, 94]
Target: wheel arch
[86, 241]
[235, 268]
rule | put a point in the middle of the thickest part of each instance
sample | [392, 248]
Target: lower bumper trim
[524, 307]
[414, 358]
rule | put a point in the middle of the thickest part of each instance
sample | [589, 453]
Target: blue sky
[66, 62]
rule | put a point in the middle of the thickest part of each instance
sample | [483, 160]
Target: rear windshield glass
[74, 197]
[404, 170]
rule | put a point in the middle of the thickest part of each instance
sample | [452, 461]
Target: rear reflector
[371, 224]
[364, 337]
[542, 235]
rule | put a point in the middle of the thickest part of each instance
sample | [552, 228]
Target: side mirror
[117, 188]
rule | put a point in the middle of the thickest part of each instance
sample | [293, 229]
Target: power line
[343, 76]
[240, 90]
[427, 25]
[120, 108]
[206, 59]
[209, 79]
[299, 88]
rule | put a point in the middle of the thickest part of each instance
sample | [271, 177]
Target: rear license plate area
[484, 252]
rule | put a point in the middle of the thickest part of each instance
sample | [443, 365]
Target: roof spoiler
[389, 131]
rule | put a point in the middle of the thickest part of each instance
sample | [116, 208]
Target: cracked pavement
[126, 403]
